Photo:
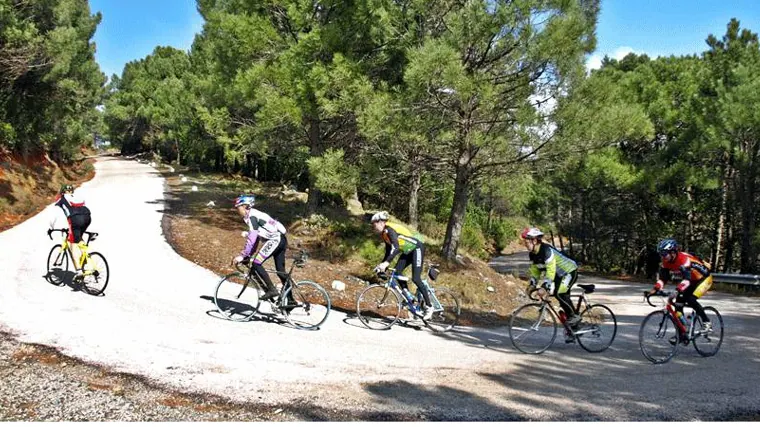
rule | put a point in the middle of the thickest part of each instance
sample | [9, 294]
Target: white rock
[491, 289]
[211, 204]
[171, 169]
[184, 179]
[194, 188]
[244, 234]
[153, 164]
[338, 285]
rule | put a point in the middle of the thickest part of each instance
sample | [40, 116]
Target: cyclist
[695, 279]
[560, 272]
[402, 242]
[274, 243]
[78, 218]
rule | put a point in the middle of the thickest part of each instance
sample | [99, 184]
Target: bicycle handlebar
[648, 296]
[91, 235]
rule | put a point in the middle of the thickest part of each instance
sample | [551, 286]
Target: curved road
[156, 320]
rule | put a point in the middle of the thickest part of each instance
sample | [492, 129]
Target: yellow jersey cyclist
[408, 246]
[559, 271]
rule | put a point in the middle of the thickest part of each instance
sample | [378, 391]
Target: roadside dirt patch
[28, 185]
[202, 226]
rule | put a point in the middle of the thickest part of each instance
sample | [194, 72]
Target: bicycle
[95, 272]
[304, 304]
[662, 331]
[379, 306]
[533, 326]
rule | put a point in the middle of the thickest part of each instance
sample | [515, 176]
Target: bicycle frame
[670, 309]
[582, 302]
[393, 282]
[289, 282]
[84, 257]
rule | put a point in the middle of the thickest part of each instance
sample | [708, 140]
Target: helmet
[380, 216]
[67, 188]
[245, 199]
[667, 245]
[531, 233]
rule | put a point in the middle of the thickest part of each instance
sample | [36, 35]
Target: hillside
[28, 185]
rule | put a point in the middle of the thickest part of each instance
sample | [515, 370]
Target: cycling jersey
[71, 205]
[261, 224]
[690, 267]
[549, 260]
[399, 239]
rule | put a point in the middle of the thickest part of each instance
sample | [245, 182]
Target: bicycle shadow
[66, 278]
[259, 316]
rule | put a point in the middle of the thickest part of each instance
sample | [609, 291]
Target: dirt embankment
[28, 185]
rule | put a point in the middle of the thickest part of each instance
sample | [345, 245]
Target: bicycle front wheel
[237, 297]
[96, 274]
[378, 307]
[57, 265]
[708, 343]
[597, 328]
[445, 317]
[307, 305]
[532, 328]
[658, 337]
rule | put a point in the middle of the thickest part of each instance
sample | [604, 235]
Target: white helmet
[531, 233]
[380, 216]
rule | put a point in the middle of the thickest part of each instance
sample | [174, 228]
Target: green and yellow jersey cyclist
[559, 272]
[408, 246]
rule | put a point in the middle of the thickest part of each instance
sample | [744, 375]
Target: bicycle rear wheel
[96, 274]
[658, 337]
[708, 344]
[57, 265]
[532, 328]
[237, 297]
[445, 318]
[308, 305]
[597, 328]
[378, 307]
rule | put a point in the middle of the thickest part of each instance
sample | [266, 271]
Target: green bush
[430, 227]
[371, 251]
[473, 240]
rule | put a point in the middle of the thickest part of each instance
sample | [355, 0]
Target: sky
[131, 29]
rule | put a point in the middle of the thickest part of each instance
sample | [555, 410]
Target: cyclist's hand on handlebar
[237, 260]
[381, 267]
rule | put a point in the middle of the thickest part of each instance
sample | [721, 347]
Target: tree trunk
[315, 146]
[414, 194]
[748, 217]
[459, 208]
[718, 258]
[689, 218]
[176, 145]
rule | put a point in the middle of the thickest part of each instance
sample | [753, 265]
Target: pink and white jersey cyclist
[273, 242]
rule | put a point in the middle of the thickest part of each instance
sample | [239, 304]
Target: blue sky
[667, 27]
[130, 29]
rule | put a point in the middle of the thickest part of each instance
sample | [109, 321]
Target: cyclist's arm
[250, 243]
[662, 277]
[391, 245]
[534, 272]
[550, 261]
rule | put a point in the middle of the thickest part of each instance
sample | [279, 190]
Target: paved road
[156, 320]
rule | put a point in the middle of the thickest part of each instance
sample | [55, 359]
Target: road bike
[533, 326]
[662, 330]
[304, 304]
[94, 267]
[380, 306]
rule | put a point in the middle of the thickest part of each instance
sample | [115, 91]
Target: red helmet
[531, 233]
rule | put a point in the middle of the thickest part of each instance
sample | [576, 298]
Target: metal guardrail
[737, 279]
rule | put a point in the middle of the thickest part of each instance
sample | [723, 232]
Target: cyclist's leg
[266, 251]
[77, 226]
[418, 254]
[691, 300]
[279, 260]
[562, 286]
[403, 261]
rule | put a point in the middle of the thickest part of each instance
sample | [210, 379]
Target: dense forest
[468, 119]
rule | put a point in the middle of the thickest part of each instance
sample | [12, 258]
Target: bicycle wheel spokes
[708, 343]
[597, 328]
[57, 265]
[306, 305]
[447, 316]
[236, 297]
[96, 274]
[378, 307]
[658, 337]
[532, 328]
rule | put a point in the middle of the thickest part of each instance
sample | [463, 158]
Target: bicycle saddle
[588, 288]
